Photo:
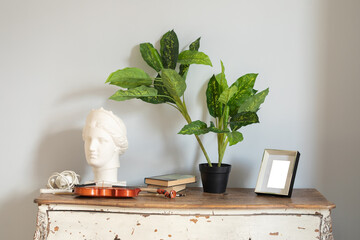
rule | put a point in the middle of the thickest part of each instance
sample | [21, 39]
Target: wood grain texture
[234, 198]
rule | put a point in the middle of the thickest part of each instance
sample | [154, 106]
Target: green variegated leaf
[222, 67]
[162, 97]
[237, 100]
[151, 56]
[197, 127]
[234, 137]
[137, 92]
[153, 100]
[194, 57]
[245, 86]
[173, 82]
[227, 94]
[159, 85]
[169, 49]
[252, 103]
[242, 119]
[184, 68]
[246, 82]
[214, 129]
[225, 115]
[195, 45]
[222, 79]
[129, 78]
[212, 96]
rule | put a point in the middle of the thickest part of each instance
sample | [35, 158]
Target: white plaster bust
[105, 139]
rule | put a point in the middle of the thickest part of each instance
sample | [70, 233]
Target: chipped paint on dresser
[41, 231]
[92, 222]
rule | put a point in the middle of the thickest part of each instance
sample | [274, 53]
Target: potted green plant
[232, 107]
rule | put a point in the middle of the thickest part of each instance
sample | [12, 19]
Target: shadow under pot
[214, 179]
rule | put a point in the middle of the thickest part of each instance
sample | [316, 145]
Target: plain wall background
[56, 55]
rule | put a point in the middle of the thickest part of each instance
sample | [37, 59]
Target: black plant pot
[214, 179]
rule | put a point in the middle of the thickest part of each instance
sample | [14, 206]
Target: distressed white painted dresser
[239, 214]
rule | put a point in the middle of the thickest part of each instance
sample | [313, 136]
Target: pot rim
[224, 168]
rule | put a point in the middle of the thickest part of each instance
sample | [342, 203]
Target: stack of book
[170, 182]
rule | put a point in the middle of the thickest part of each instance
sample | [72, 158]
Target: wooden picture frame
[277, 172]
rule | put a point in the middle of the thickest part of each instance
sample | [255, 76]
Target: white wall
[55, 56]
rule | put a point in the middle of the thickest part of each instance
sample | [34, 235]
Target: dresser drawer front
[115, 225]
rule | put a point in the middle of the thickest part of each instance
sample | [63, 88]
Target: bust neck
[107, 173]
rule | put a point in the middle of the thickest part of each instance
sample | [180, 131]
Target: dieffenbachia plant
[169, 84]
[232, 108]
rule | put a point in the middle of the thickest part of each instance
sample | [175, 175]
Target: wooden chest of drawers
[238, 214]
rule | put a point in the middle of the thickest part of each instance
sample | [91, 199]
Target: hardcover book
[169, 180]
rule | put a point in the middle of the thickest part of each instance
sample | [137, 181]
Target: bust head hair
[111, 124]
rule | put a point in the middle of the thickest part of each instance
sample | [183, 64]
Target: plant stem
[221, 137]
[222, 151]
[174, 106]
[204, 151]
[219, 145]
[184, 112]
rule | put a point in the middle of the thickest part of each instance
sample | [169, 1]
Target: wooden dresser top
[234, 198]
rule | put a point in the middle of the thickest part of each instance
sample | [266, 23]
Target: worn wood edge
[172, 204]
[193, 206]
[331, 205]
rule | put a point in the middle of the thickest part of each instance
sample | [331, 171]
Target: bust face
[100, 148]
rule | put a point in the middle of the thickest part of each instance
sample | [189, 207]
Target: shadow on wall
[239, 175]
[57, 152]
[19, 216]
[339, 118]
